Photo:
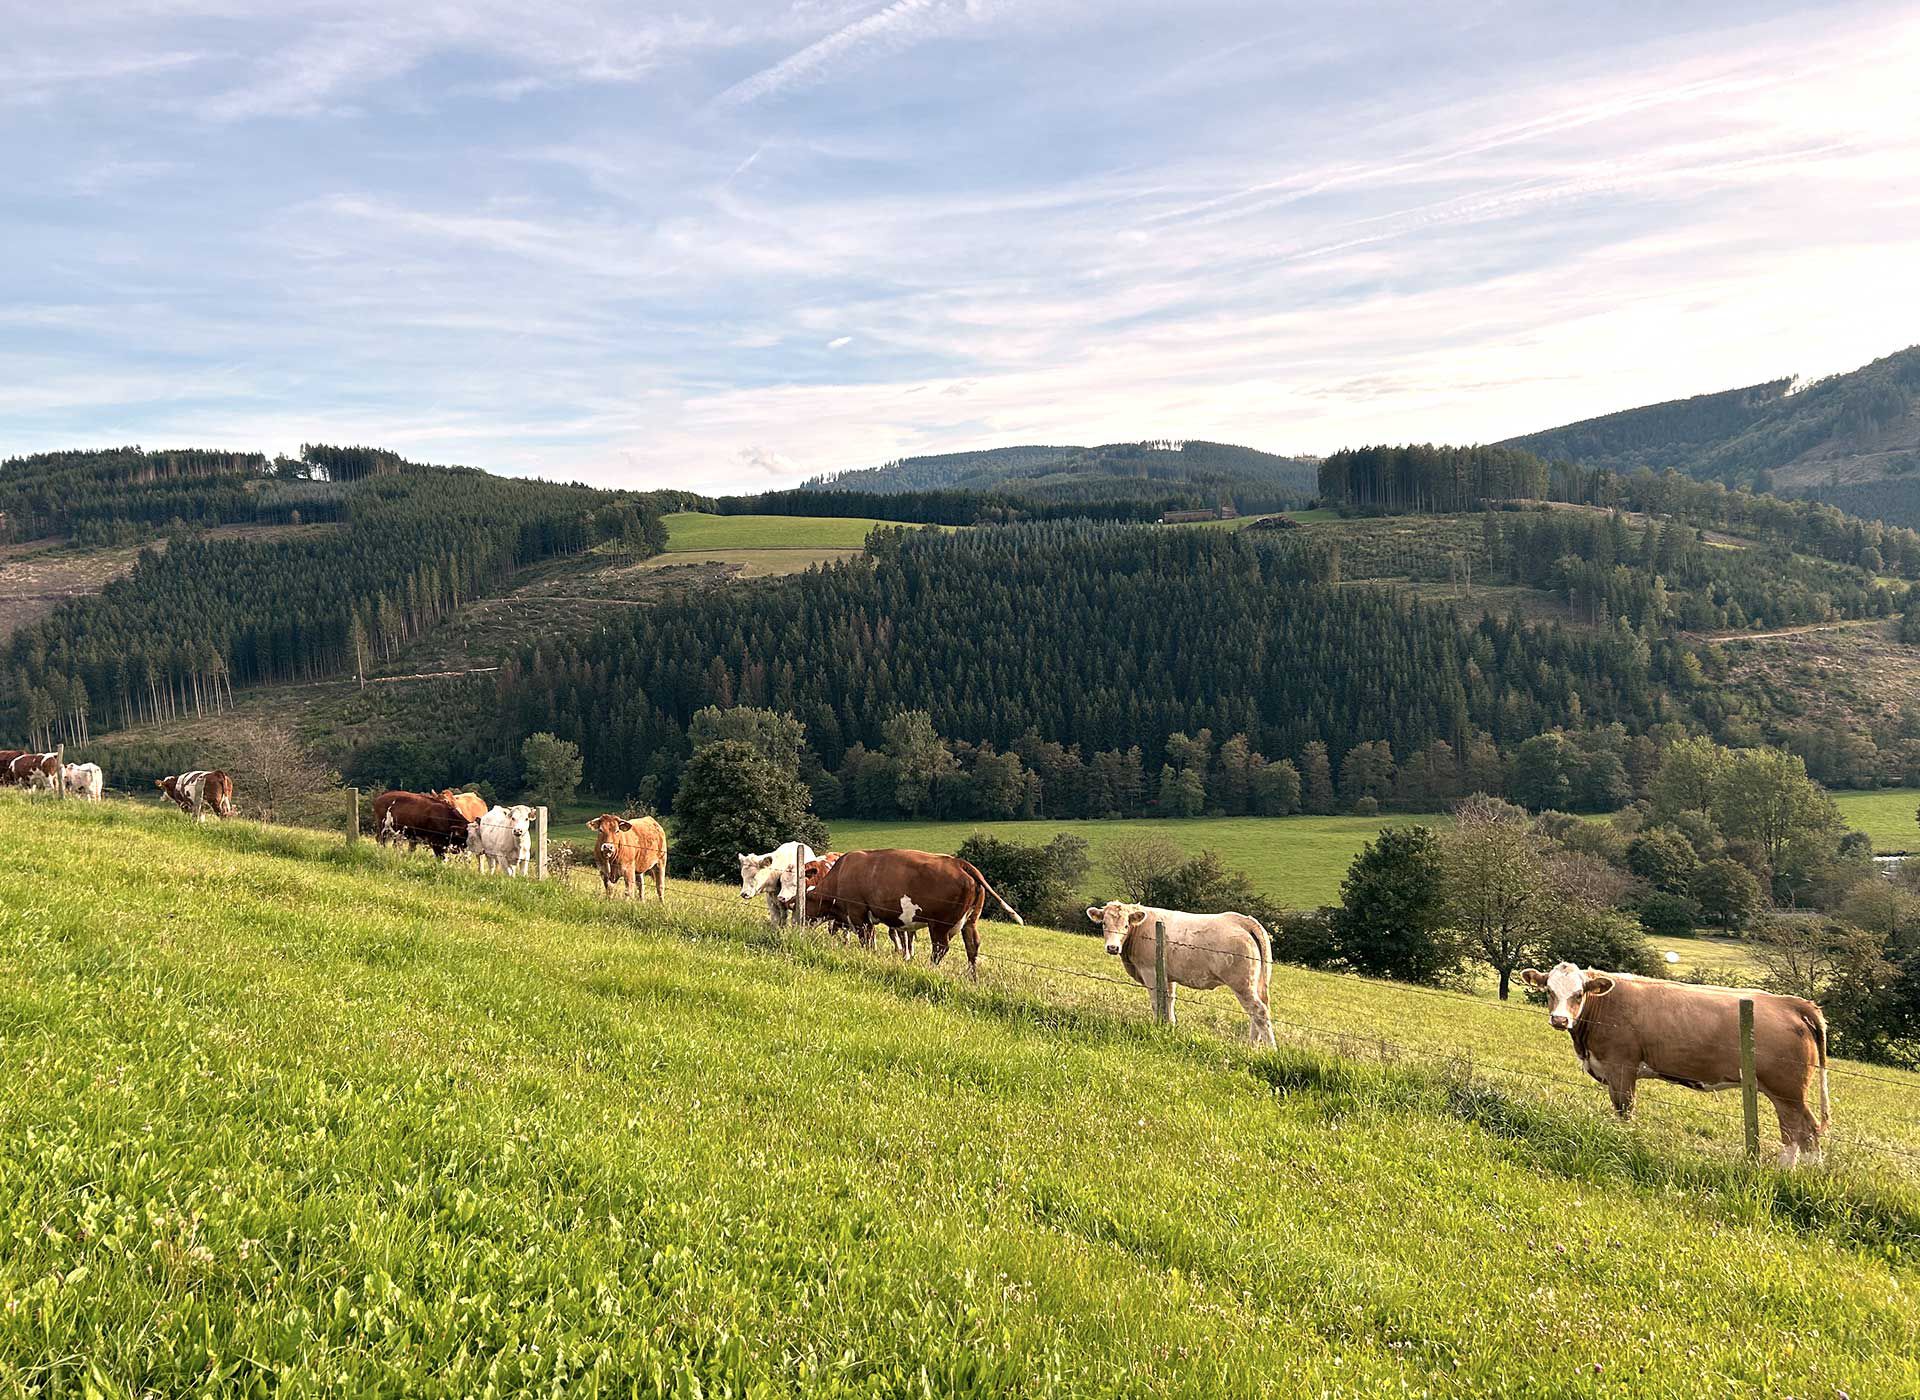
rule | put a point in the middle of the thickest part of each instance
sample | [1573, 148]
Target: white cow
[85, 780]
[1203, 951]
[773, 875]
[501, 837]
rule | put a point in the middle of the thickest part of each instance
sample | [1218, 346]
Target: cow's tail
[1012, 913]
[1264, 943]
[1817, 1023]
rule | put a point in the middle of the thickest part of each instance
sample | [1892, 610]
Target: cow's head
[1568, 991]
[609, 826]
[1117, 921]
[756, 874]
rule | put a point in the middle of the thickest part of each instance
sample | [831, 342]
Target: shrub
[1038, 880]
[1665, 915]
[732, 799]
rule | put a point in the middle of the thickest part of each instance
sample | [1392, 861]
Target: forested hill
[208, 614]
[1193, 473]
[1854, 427]
[1104, 640]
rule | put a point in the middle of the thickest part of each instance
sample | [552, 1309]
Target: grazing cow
[86, 780]
[627, 852]
[772, 875]
[1203, 951]
[1626, 1028]
[907, 889]
[419, 820]
[36, 771]
[502, 836]
[7, 756]
[213, 787]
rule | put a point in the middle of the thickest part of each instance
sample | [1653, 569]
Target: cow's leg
[1799, 1131]
[970, 935]
[660, 881]
[1621, 1089]
[1259, 1019]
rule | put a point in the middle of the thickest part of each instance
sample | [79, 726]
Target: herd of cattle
[45, 772]
[1623, 1028]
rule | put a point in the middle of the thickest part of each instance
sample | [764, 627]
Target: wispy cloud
[549, 246]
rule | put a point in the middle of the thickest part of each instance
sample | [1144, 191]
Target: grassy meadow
[1299, 861]
[1885, 814]
[278, 1114]
[698, 532]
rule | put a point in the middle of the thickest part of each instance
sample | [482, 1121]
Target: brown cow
[820, 910]
[905, 889]
[1626, 1028]
[7, 756]
[419, 820]
[213, 787]
[628, 851]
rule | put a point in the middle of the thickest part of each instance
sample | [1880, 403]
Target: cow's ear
[1138, 916]
[1533, 977]
[625, 825]
[160, 783]
[1598, 984]
[1096, 913]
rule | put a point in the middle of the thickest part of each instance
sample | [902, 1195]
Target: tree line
[201, 616]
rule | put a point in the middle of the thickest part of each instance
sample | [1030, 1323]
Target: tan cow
[1204, 951]
[472, 806]
[1626, 1028]
[627, 852]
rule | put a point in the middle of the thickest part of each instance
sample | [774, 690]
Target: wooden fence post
[800, 885]
[60, 770]
[1749, 1085]
[1162, 1003]
[353, 815]
[540, 843]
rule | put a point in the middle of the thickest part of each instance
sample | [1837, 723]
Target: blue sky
[732, 245]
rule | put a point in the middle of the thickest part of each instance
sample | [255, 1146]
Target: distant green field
[697, 532]
[1299, 861]
[1886, 815]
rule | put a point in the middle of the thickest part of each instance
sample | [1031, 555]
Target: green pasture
[697, 532]
[278, 1115]
[1299, 861]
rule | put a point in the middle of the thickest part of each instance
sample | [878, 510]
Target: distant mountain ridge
[1088, 473]
[1862, 426]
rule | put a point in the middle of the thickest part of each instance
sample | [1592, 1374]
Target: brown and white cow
[907, 889]
[1626, 1028]
[627, 852]
[36, 771]
[213, 787]
[1204, 951]
[419, 819]
[7, 756]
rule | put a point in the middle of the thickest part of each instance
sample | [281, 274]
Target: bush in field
[1667, 915]
[1392, 921]
[275, 776]
[1038, 880]
[1602, 938]
[732, 799]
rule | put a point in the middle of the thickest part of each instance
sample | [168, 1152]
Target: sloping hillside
[1090, 473]
[1855, 427]
[273, 1112]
